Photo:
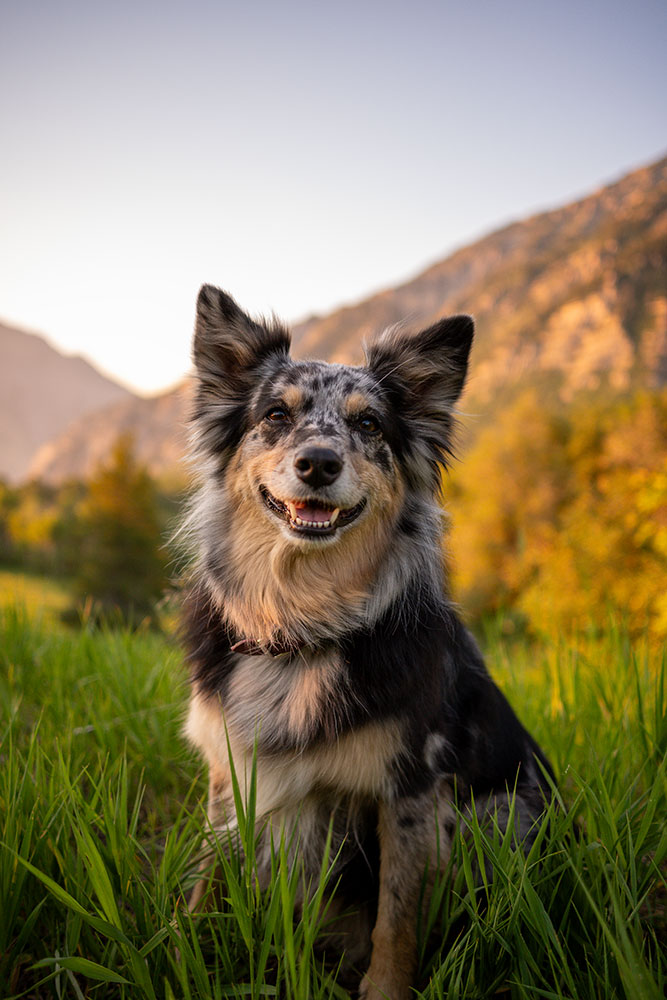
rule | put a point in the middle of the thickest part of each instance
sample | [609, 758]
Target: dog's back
[320, 636]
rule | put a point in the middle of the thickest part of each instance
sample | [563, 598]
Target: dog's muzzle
[312, 517]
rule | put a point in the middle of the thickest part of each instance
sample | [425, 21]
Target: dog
[322, 643]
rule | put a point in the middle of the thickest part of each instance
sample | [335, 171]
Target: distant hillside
[575, 297]
[158, 426]
[41, 393]
[573, 301]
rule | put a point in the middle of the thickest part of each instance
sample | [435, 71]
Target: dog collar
[252, 647]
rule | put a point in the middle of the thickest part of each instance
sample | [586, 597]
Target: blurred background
[346, 167]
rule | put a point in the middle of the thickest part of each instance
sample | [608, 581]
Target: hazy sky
[301, 155]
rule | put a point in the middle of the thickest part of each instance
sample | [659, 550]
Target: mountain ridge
[32, 371]
[457, 283]
[572, 300]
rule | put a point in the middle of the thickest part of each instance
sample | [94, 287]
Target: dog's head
[322, 448]
[316, 472]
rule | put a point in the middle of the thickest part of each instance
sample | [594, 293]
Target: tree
[505, 498]
[122, 564]
[562, 517]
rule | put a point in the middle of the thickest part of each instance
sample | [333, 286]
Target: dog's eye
[277, 415]
[368, 424]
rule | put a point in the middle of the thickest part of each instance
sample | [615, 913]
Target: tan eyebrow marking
[356, 403]
[292, 397]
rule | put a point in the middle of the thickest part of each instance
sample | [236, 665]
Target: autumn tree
[505, 499]
[562, 517]
[609, 549]
[122, 559]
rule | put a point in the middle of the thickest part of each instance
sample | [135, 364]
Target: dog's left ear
[429, 368]
[422, 376]
[229, 344]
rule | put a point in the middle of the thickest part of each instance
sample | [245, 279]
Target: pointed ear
[421, 376]
[227, 342]
[428, 368]
[229, 348]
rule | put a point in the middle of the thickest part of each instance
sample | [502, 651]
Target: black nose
[318, 466]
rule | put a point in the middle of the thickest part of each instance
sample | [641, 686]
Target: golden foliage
[122, 560]
[563, 517]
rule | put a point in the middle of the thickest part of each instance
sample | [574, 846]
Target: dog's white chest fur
[266, 697]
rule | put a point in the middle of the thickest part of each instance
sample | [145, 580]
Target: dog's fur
[333, 652]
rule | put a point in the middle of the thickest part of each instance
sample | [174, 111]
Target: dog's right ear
[229, 344]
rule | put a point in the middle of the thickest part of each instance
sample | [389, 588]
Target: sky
[300, 155]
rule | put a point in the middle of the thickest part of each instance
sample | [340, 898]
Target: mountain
[572, 301]
[157, 425]
[575, 297]
[41, 393]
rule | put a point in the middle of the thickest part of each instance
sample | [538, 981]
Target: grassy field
[45, 599]
[101, 814]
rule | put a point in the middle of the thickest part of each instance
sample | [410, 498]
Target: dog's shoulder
[413, 680]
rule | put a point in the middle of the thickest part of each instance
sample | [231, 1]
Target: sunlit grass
[42, 596]
[101, 818]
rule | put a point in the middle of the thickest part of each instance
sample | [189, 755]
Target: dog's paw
[384, 985]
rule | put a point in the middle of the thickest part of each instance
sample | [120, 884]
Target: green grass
[101, 816]
[42, 596]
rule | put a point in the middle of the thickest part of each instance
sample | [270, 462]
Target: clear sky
[301, 155]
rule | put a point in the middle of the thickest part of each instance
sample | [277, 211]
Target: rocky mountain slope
[41, 393]
[573, 300]
[578, 294]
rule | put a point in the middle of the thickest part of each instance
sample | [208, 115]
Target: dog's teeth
[314, 525]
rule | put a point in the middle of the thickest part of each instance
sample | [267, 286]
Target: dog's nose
[318, 466]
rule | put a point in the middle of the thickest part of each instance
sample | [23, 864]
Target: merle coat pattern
[317, 621]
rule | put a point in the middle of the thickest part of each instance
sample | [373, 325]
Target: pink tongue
[307, 513]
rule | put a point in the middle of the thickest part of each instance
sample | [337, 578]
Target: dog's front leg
[406, 828]
[220, 813]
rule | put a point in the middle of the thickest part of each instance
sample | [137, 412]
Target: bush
[122, 561]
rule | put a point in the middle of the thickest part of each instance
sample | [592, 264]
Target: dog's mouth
[313, 517]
